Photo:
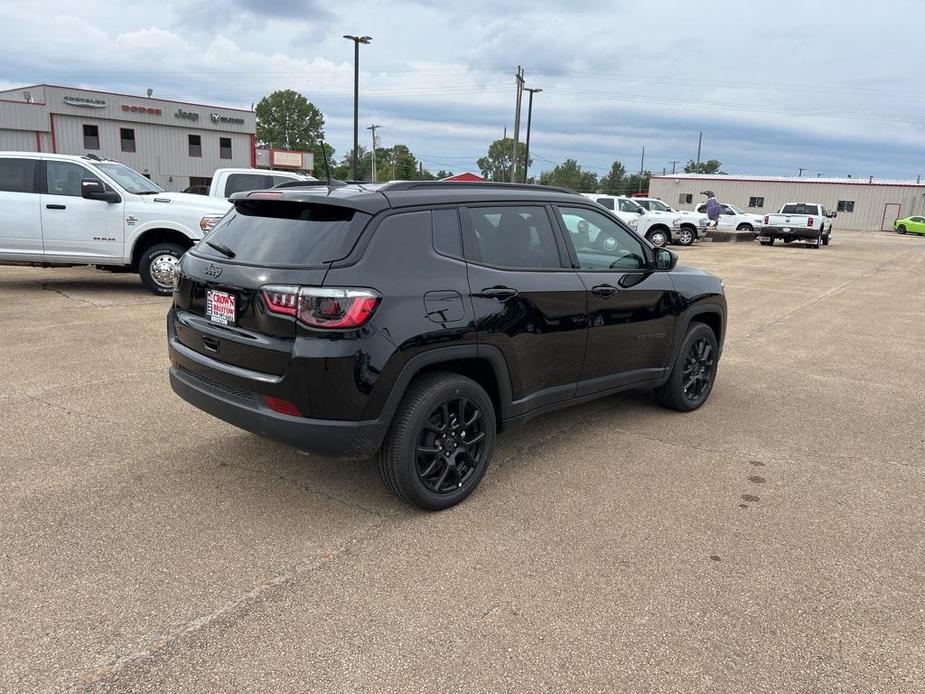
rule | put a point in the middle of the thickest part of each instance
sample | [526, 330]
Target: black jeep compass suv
[415, 321]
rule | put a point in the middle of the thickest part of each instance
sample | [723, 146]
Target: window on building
[756, 202]
[846, 205]
[17, 175]
[127, 137]
[685, 198]
[91, 137]
[224, 148]
[195, 145]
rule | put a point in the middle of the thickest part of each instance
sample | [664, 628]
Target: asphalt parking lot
[770, 542]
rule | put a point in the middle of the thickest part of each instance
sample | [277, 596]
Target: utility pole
[801, 172]
[373, 175]
[674, 164]
[699, 146]
[520, 93]
[529, 120]
[357, 40]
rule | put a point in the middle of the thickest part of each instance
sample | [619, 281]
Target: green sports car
[913, 225]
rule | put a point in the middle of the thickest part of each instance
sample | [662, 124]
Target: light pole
[529, 119]
[357, 40]
[373, 128]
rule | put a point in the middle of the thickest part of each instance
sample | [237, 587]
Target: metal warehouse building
[863, 204]
[175, 144]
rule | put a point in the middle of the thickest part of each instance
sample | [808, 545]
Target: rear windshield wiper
[224, 250]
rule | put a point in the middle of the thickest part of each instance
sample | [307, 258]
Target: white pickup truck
[62, 210]
[660, 228]
[805, 222]
[227, 182]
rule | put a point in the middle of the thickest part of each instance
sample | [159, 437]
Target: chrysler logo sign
[216, 118]
[84, 101]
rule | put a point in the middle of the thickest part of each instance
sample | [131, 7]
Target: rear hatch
[227, 280]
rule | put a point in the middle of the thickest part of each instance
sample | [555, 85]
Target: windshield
[129, 179]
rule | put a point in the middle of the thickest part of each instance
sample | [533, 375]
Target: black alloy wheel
[450, 446]
[691, 380]
[699, 369]
[901, 229]
[440, 442]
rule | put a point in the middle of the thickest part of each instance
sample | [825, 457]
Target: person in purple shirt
[713, 208]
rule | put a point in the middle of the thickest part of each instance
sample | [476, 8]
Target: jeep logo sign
[186, 115]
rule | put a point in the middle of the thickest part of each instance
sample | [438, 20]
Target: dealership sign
[186, 115]
[216, 118]
[141, 109]
[84, 101]
[283, 158]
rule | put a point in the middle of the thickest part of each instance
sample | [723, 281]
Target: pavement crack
[67, 296]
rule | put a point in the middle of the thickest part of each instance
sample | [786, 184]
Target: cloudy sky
[775, 85]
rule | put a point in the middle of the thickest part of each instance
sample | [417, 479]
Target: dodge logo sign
[213, 271]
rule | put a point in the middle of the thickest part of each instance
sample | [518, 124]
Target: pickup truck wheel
[826, 239]
[693, 373]
[745, 227]
[901, 229]
[440, 442]
[158, 265]
[818, 243]
[658, 238]
[685, 236]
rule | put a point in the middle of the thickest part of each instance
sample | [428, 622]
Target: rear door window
[285, 234]
[606, 202]
[17, 175]
[512, 237]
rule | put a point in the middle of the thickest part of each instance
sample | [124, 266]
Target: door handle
[55, 207]
[604, 290]
[499, 293]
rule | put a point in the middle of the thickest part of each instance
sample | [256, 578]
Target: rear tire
[745, 227]
[440, 412]
[901, 229]
[826, 239]
[694, 371]
[658, 238]
[156, 265]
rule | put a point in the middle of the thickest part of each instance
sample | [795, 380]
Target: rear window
[271, 232]
[800, 209]
[240, 183]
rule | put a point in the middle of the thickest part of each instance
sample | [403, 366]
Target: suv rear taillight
[331, 308]
[809, 221]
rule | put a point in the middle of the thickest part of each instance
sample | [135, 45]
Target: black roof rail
[418, 185]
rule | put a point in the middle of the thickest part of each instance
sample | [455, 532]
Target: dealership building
[174, 143]
[866, 204]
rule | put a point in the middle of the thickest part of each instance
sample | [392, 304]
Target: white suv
[732, 217]
[62, 210]
[659, 228]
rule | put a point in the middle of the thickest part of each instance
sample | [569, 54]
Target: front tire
[745, 227]
[158, 266]
[685, 236]
[440, 442]
[694, 371]
[901, 229]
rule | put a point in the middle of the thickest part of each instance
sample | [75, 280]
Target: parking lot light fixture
[357, 40]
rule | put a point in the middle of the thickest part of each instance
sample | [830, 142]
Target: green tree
[569, 174]
[286, 119]
[443, 174]
[614, 182]
[637, 183]
[496, 165]
[705, 167]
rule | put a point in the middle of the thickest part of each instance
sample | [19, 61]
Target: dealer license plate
[220, 307]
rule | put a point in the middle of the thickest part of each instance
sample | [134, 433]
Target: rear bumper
[191, 377]
[794, 234]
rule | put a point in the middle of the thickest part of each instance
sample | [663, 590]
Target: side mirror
[641, 210]
[665, 259]
[93, 189]
[833, 215]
